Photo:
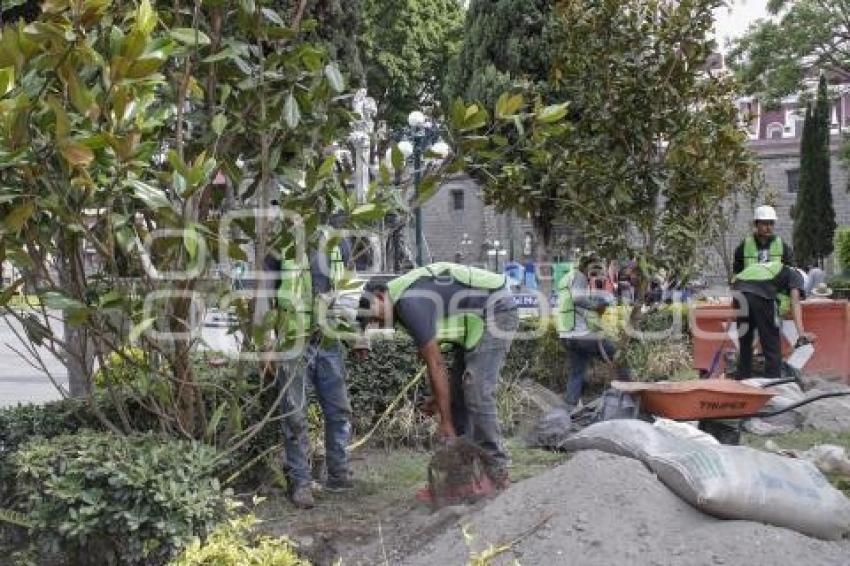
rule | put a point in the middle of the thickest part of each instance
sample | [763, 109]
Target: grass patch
[392, 473]
[529, 462]
[800, 440]
[803, 440]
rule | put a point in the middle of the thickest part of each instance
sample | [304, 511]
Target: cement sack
[685, 430]
[550, 431]
[730, 482]
[631, 438]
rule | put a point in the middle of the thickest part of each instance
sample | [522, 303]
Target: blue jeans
[324, 368]
[581, 350]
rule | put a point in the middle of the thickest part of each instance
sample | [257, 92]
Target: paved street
[22, 383]
[19, 381]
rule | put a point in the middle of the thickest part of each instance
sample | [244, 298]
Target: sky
[734, 20]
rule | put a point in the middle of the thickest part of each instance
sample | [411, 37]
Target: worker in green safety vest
[759, 286]
[472, 309]
[762, 245]
[301, 284]
[578, 323]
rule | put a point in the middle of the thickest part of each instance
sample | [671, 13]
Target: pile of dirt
[603, 509]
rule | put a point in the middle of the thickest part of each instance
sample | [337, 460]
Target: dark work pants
[761, 316]
[474, 378]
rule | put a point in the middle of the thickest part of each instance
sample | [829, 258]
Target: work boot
[302, 497]
[336, 484]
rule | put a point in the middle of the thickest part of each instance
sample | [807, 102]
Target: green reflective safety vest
[751, 254]
[760, 271]
[565, 321]
[766, 272]
[295, 294]
[464, 329]
[751, 250]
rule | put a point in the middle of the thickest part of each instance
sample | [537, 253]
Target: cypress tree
[804, 212]
[823, 185]
[814, 214]
[506, 41]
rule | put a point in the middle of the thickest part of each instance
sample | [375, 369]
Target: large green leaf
[553, 113]
[189, 36]
[367, 213]
[19, 216]
[7, 80]
[152, 197]
[145, 18]
[219, 122]
[190, 241]
[334, 77]
[291, 112]
[75, 312]
[140, 329]
[76, 153]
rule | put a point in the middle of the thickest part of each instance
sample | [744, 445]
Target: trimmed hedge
[100, 498]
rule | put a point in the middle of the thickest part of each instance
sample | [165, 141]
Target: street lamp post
[423, 135]
[495, 251]
[465, 243]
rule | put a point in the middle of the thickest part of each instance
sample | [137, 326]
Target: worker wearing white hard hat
[763, 245]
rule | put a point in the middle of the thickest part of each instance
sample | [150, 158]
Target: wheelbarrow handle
[806, 401]
[780, 381]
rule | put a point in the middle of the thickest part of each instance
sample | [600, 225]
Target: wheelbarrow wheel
[726, 432]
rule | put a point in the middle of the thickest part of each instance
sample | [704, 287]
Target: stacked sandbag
[731, 482]
[545, 422]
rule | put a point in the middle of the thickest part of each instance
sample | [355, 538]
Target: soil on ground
[592, 509]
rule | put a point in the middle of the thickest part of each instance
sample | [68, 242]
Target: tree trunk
[545, 273]
[79, 360]
[79, 356]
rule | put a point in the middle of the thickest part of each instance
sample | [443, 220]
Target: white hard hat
[765, 213]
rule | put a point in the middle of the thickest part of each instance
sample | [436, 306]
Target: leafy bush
[842, 248]
[373, 383]
[104, 499]
[123, 367]
[19, 425]
[231, 544]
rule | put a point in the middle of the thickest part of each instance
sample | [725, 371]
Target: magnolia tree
[646, 145]
[114, 122]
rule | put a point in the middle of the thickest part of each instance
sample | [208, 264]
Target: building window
[793, 180]
[774, 131]
[457, 199]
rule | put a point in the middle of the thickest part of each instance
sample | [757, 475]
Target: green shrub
[232, 544]
[101, 498]
[20, 424]
[373, 383]
[124, 367]
[842, 248]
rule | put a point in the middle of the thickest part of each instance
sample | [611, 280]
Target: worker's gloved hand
[805, 339]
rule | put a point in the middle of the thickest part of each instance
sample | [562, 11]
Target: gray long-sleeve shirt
[585, 303]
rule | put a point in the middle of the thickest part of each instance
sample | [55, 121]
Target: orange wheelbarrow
[709, 400]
